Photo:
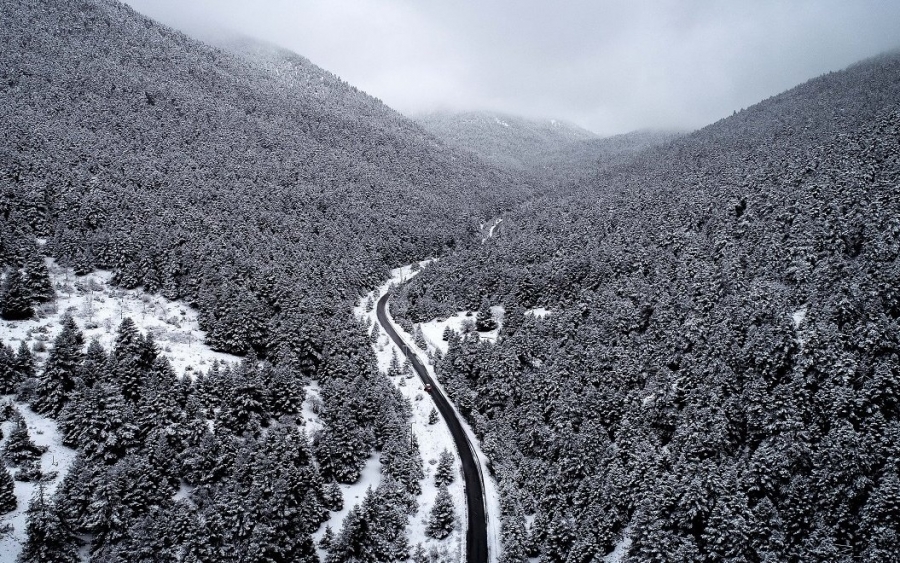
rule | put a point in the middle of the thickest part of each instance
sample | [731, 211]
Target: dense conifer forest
[717, 378]
[697, 358]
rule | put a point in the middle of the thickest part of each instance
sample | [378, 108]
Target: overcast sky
[608, 65]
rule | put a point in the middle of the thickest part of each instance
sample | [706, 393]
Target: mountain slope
[718, 376]
[506, 140]
[252, 178]
[555, 152]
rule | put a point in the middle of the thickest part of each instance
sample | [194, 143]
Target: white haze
[610, 66]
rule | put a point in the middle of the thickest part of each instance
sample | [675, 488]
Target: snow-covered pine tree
[15, 299]
[48, 536]
[7, 495]
[327, 538]
[433, 416]
[37, 279]
[60, 370]
[332, 497]
[445, 473]
[19, 448]
[285, 393]
[419, 338]
[9, 376]
[440, 521]
[24, 362]
[484, 321]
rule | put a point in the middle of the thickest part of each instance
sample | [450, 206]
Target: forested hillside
[506, 140]
[193, 172]
[268, 194]
[554, 152]
[718, 376]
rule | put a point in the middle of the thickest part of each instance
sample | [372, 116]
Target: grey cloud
[610, 66]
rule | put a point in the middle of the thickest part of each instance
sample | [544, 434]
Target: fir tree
[37, 279]
[484, 321]
[19, 448]
[285, 394]
[48, 536]
[440, 521]
[332, 497]
[63, 364]
[433, 416]
[7, 495]
[24, 363]
[445, 473]
[15, 300]
[327, 538]
[9, 375]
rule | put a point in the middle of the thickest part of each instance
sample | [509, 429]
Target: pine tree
[19, 448]
[24, 363]
[63, 364]
[332, 497]
[419, 338]
[9, 375]
[440, 521]
[95, 359]
[446, 469]
[327, 538]
[37, 279]
[49, 539]
[433, 416]
[15, 300]
[285, 394]
[7, 496]
[484, 321]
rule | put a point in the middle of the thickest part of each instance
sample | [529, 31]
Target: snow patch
[501, 122]
[490, 233]
[539, 312]
[98, 308]
[799, 316]
[57, 458]
[621, 549]
[461, 322]
[353, 495]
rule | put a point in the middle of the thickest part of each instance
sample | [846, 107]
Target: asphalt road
[476, 534]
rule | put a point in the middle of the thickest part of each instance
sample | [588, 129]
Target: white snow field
[98, 308]
[433, 439]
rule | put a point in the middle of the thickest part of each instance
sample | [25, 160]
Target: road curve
[476, 534]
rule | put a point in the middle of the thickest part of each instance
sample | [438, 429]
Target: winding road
[476, 534]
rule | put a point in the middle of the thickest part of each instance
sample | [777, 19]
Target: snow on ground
[57, 459]
[799, 316]
[461, 322]
[621, 549]
[98, 307]
[494, 224]
[539, 312]
[353, 495]
[433, 438]
[310, 409]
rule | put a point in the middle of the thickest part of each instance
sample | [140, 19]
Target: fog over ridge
[609, 66]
